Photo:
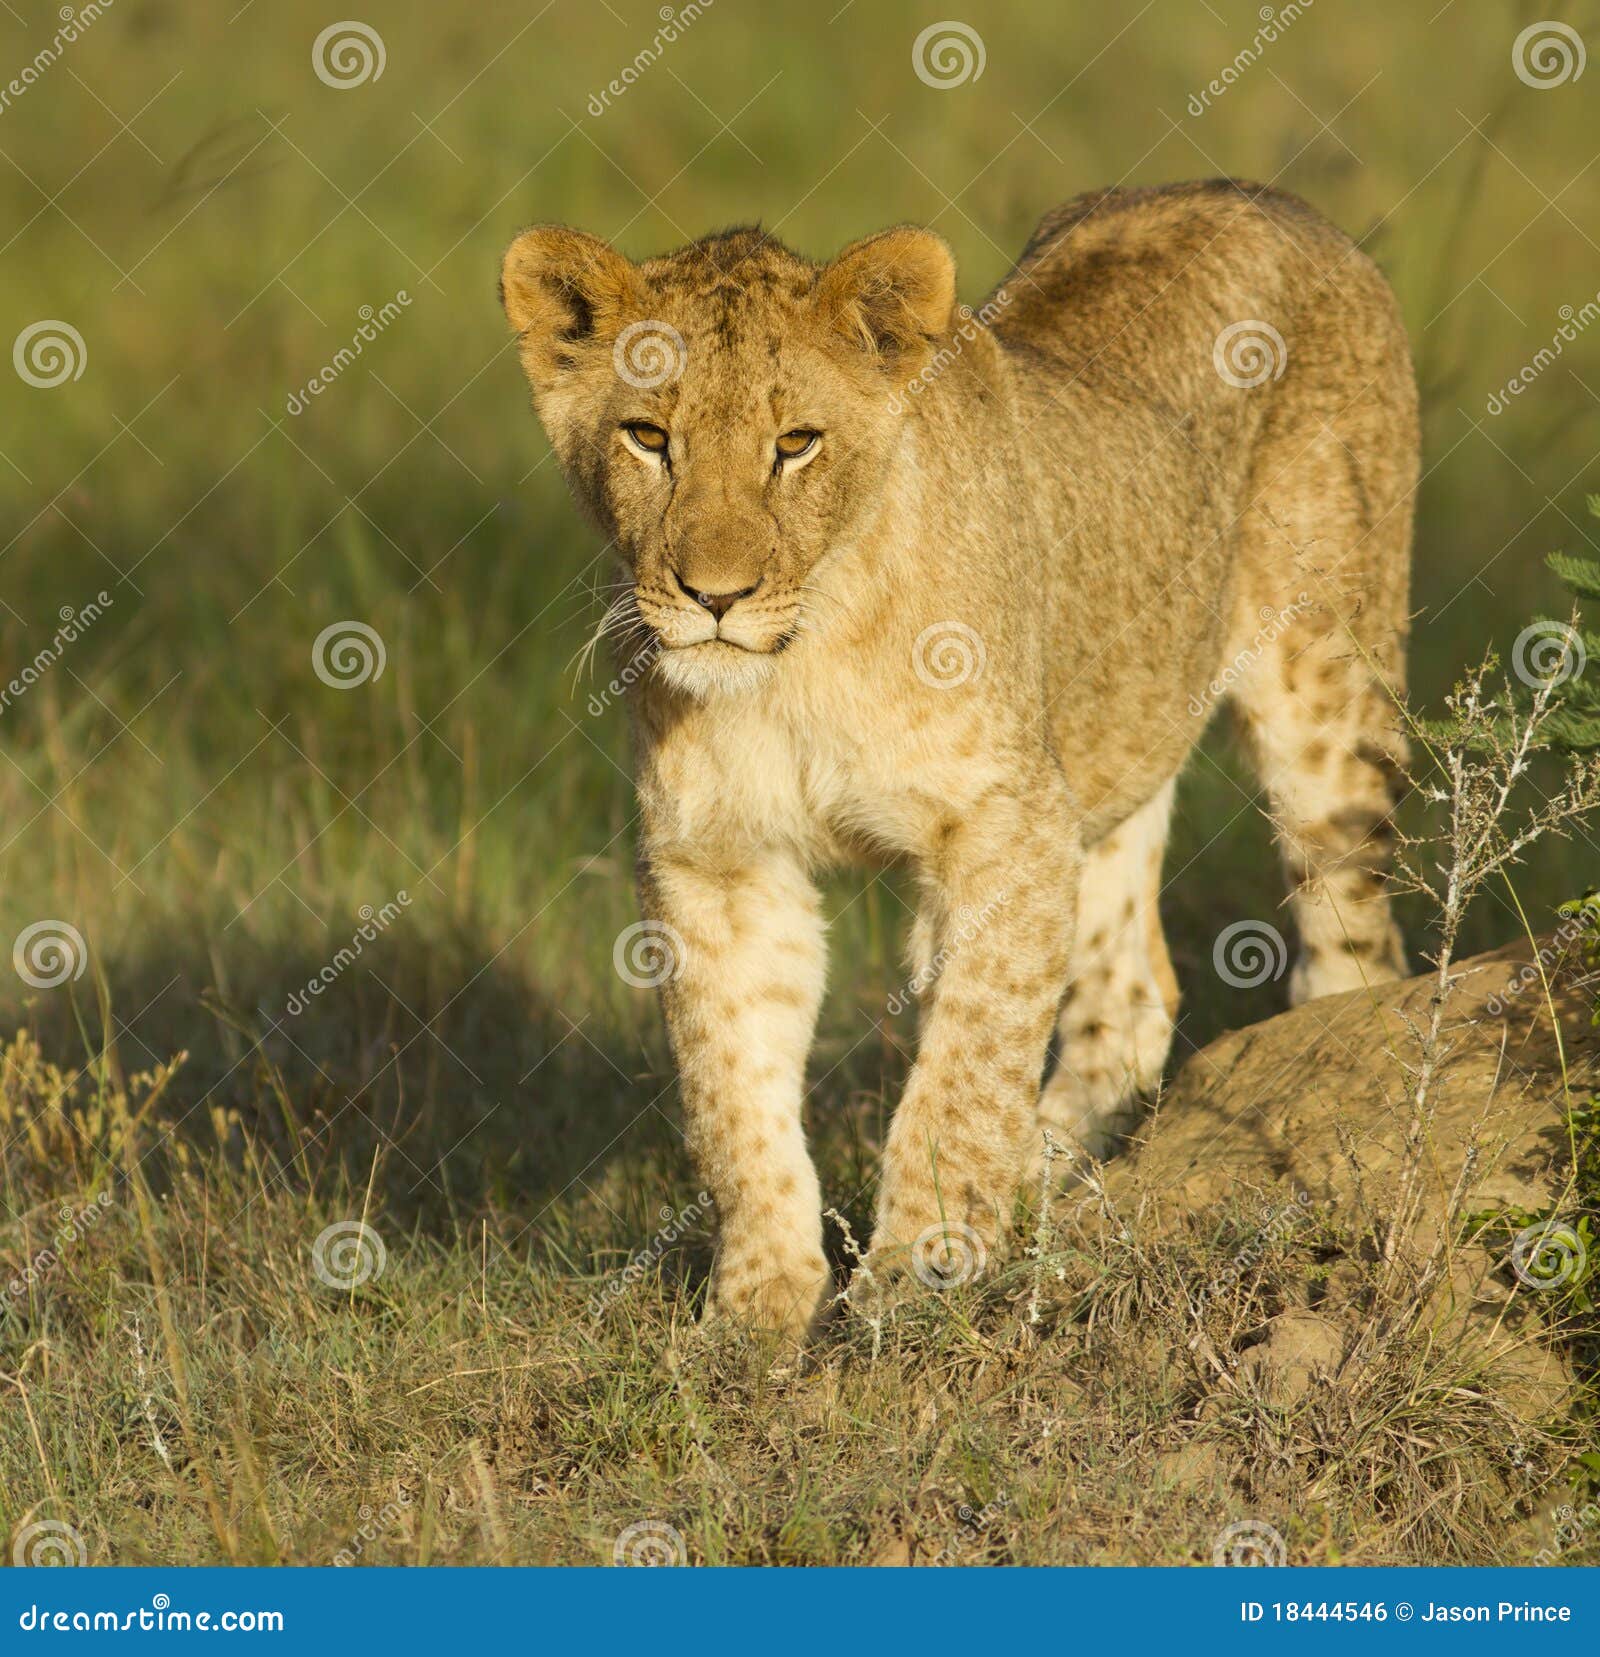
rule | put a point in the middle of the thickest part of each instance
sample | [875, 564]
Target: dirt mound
[1311, 1110]
[1319, 1097]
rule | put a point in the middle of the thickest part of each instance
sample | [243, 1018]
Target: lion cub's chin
[714, 669]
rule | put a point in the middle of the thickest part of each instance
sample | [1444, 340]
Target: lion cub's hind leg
[1326, 740]
[1116, 1020]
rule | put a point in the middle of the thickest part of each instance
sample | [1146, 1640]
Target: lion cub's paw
[765, 1294]
[947, 1254]
[1084, 1121]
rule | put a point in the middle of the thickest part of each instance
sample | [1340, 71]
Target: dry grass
[182, 1385]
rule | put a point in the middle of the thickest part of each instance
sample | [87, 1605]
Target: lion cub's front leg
[741, 998]
[1002, 905]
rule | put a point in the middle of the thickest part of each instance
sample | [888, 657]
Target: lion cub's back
[1134, 284]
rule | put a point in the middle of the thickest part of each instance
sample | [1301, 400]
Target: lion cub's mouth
[713, 668]
[682, 633]
[772, 647]
[739, 657]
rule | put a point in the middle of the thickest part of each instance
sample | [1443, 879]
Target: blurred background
[216, 201]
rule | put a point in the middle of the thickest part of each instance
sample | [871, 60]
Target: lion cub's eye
[647, 439]
[792, 445]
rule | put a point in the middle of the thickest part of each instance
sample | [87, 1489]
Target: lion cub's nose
[719, 604]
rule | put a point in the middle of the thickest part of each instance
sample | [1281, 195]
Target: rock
[1308, 1112]
[1317, 1098]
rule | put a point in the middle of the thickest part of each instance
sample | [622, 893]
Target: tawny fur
[993, 610]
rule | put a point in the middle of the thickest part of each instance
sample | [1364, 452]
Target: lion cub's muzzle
[751, 618]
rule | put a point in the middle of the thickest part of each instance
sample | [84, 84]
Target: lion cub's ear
[891, 294]
[561, 288]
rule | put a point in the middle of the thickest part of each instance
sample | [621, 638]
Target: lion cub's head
[727, 413]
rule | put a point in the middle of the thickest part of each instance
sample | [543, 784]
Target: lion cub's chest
[835, 791]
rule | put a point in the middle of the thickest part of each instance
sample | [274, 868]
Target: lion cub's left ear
[891, 294]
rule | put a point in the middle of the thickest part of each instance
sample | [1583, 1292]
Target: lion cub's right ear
[561, 289]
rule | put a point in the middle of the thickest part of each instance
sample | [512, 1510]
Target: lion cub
[963, 589]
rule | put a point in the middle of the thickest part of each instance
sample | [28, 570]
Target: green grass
[183, 789]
